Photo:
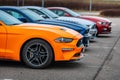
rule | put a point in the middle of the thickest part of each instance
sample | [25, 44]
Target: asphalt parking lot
[100, 63]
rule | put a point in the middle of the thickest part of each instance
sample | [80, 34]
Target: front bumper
[106, 30]
[81, 56]
[68, 51]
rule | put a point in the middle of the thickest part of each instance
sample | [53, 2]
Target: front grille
[79, 43]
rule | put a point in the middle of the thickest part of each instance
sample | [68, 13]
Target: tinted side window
[40, 13]
[15, 14]
[8, 19]
[59, 12]
[55, 11]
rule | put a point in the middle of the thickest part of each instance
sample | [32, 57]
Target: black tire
[97, 33]
[37, 53]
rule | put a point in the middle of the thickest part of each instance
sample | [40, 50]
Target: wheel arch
[33, 39]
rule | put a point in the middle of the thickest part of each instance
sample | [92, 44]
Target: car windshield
[52, 14]
[8, 19]
[34, 16]
[72, 12]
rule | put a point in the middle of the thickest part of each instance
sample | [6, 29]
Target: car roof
[63, 8]
[35, 7]
[13, 7]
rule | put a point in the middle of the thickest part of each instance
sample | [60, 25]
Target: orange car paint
[13, 37]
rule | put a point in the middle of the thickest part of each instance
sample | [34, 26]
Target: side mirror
[66, 14]
[23, 20]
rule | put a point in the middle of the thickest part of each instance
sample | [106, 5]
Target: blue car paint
[68, 24]
[59, 24]
[47, 14]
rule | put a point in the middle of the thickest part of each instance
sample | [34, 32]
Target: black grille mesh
[79, 43]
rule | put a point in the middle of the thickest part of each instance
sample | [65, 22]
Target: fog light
[67, 49]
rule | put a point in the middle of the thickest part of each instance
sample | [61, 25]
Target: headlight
[64, 40]
[87, 31]
[89, 26]
[102, 23]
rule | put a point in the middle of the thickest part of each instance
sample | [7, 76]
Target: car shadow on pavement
[104, 36]
[67, 65]
[93, 41]
[55, 65]
[11, 64]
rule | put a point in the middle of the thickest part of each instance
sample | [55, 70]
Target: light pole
[90, 7]
[43, 2]
[23, 2]
[18, 2]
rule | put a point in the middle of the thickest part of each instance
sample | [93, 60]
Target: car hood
[96, 18]
[77, 20]
[67, 24]
[62, 31]
[35, 26]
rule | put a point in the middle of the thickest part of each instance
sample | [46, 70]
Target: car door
[2, 40]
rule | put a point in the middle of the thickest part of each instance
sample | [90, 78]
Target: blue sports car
[29, 16]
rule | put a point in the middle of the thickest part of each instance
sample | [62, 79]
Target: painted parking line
[6, 79]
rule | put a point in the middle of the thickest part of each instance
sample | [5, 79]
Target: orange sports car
[37, 45]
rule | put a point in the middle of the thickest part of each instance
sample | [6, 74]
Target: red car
[103, 24]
